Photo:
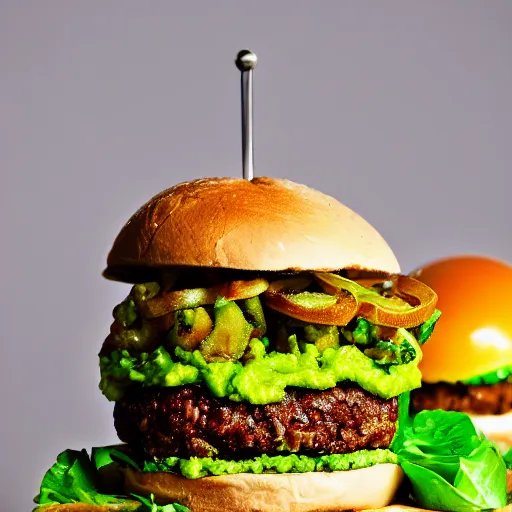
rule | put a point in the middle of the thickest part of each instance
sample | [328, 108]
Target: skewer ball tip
[246, 60]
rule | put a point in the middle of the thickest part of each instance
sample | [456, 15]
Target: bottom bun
[359, 489]
[497, 428]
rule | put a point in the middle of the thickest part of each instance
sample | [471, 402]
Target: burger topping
[323, 336]
[73, 479]
[264, 376]
[503, 374]
[253, 312]
[314, 307]
[425, 330]
[385, 346]
[126, 313]
[400, 301]
[144, 320]
[197, 467]
[136, 334]
[248, 350]
[230, 336]
[451, 466]
[167, 302]
[191, 326]
[146, 291]
[410, 304]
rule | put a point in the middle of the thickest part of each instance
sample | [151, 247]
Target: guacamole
[265, 376]
[198, 467]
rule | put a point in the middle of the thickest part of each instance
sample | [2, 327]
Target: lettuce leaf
[451, 467]
[74, 479]
[488, 379]
[106, 455]
[151, 506]
[425, 330]
[508, 459]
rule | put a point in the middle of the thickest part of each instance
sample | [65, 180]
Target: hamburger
[263, 357]
[467, 364]
[259, 359]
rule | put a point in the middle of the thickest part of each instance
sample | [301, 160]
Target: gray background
[401, 109]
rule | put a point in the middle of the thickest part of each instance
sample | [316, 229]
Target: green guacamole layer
[199, 467]
[265, 376]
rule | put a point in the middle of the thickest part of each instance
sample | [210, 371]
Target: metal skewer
[246, 61]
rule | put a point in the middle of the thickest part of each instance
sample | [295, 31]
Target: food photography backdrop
[401, 110]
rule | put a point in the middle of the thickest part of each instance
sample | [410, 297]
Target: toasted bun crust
[474, 333]
[306, 492]
[263, 224]
[497, 428]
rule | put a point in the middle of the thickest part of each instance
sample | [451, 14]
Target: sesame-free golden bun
[474, 334]
[358, 489]
[265, 224]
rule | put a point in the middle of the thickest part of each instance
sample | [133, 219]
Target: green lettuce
[451, 467]
[264, 378]
[149, 505]
[72, 479]
[508, 459]
[196, 467]
[425, 330]
[106, 455]
[488, 379]
[75, 479]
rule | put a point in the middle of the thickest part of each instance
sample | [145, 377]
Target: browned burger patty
[189, 421]
[492, 399]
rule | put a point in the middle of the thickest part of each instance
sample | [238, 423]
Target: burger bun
[358, 489]
[265, 224]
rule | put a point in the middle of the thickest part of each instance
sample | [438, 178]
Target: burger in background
[467, 363]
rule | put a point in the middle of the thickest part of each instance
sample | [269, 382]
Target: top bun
[263, 224]
[474, 334]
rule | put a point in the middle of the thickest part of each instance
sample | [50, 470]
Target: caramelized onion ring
[165, 303]
[412, 302]
[284, 296]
